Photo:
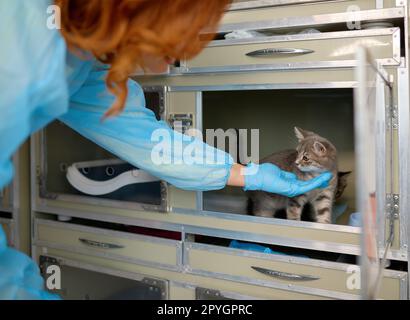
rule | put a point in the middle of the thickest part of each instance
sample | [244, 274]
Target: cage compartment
[59, 154]
[327, 112]
[82, 284]
[79, 149]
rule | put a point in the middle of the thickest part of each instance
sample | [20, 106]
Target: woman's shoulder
[32, 60]
[31, 41]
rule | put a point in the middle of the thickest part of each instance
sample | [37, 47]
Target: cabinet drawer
[285, 272]
[331, 49]
[144, 250]
[255, 11]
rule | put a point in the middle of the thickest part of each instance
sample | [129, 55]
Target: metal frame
[122, 235]
[395, 60]
[253, 4]
[336, 247]
[121, 274]
[381, 159]
[403, 84]
[277, 86]
[402, 276]
[404, 155]
[199, 126]
[316, 20]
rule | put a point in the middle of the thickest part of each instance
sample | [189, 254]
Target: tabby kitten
[313, 155]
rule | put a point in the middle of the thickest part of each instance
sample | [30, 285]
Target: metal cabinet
[313, 80]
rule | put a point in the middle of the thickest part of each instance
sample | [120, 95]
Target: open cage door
[372, 98]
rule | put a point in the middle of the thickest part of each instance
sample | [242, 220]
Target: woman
[40, 81]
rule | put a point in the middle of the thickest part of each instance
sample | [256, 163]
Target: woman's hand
[270, 178]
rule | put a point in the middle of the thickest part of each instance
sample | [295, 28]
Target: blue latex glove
[270, 178]
[20, 277]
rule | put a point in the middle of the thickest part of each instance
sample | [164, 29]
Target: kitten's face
[315, 153]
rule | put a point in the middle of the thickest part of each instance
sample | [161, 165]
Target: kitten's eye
[305, 158]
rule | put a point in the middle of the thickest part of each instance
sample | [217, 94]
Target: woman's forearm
[236, 177]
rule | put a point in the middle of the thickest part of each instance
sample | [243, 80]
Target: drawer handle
[285, 275]
[278, 51]
[101, 245]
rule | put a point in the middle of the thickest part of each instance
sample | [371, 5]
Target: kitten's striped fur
[313, 155]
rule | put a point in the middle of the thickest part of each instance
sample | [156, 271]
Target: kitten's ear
[319, 148]
[302, 134]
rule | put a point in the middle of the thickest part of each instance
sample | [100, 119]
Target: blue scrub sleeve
[137, 137]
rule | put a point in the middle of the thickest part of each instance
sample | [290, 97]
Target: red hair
[121, 32]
